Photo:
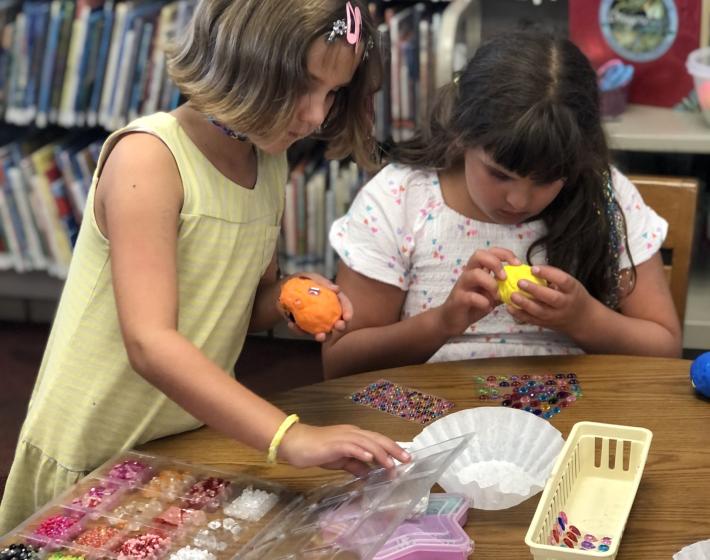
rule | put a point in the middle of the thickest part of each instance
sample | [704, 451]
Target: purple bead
[586, 545]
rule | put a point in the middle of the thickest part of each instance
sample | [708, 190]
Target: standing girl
[513, 166]
[176, 260]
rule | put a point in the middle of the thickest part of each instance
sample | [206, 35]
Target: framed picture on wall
[655, 36]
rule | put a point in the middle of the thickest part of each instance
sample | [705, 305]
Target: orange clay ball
[314, 308]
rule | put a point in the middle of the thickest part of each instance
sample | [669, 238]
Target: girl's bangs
[545, 144]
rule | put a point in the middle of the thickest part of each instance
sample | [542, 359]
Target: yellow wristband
[278, 436]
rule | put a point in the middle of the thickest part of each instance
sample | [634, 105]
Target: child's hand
[339, 447]
[561, 305]
[345, 303]
[475, 294]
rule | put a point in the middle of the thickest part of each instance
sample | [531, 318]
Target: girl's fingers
[355, 450]
[347, 306]
[368, 445]
[478, 280]
[543, 294]
[563, 281]
[322, 280]
[390, 447]
[488, 261]
[530, 306]
[355, 467]
[505, 255]
[519, 315]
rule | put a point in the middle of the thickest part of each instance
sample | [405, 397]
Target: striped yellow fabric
[88, 403]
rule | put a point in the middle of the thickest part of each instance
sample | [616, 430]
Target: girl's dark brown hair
[530, 100]
[244, 62]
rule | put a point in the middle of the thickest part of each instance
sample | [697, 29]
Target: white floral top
[400, 231]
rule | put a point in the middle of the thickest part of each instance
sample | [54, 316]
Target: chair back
[674, 199]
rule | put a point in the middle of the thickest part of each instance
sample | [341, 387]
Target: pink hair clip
[354, 24]
[351, 27]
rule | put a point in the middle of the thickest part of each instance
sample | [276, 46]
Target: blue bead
[603, 547]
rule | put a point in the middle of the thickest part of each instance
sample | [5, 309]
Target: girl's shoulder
[624, 190]
[403, 185]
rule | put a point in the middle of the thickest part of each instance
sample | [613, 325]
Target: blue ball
[700, 374]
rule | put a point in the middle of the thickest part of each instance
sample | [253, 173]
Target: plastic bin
[698, 65]
[594, 481]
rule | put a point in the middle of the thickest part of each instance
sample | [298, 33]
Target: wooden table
[672, 506]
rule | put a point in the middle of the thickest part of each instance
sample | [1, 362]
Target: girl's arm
[265, 314]
[137, 207]
[376, 338]
[647, 323]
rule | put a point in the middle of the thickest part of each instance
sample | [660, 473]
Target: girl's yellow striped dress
[88, 403]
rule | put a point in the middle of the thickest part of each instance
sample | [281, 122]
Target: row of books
[408, 38]
[44, 182]
[316, 194]
[76, 63]
[87, 62]
[45, 178]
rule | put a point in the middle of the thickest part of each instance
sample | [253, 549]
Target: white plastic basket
[594, 481]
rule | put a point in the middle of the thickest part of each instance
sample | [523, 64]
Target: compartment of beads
[94, 495]
[52, 527]
[588, 497]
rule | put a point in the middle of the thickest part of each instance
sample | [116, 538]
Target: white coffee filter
[698, 551]
[508, 459]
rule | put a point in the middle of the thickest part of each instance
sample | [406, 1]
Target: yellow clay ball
[514, 274]
[314, 308]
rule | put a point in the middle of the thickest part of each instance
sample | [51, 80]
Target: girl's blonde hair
[244, 63]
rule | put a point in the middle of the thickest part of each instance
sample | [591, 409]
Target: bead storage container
[436, 535]
[586, 502]
[352, 520]
[167, 510]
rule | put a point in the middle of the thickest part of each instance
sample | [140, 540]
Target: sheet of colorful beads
[141, 507]
[543, 395]
[400, 401]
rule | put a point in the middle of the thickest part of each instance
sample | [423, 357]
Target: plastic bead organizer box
[143, 507]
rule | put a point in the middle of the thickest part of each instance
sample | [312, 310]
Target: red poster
[655, 36]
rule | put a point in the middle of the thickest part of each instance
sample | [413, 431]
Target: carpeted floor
[265, 366]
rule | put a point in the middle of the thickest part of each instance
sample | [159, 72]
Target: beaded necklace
[228, 131]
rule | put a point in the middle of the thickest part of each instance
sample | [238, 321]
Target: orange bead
[315, 308]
